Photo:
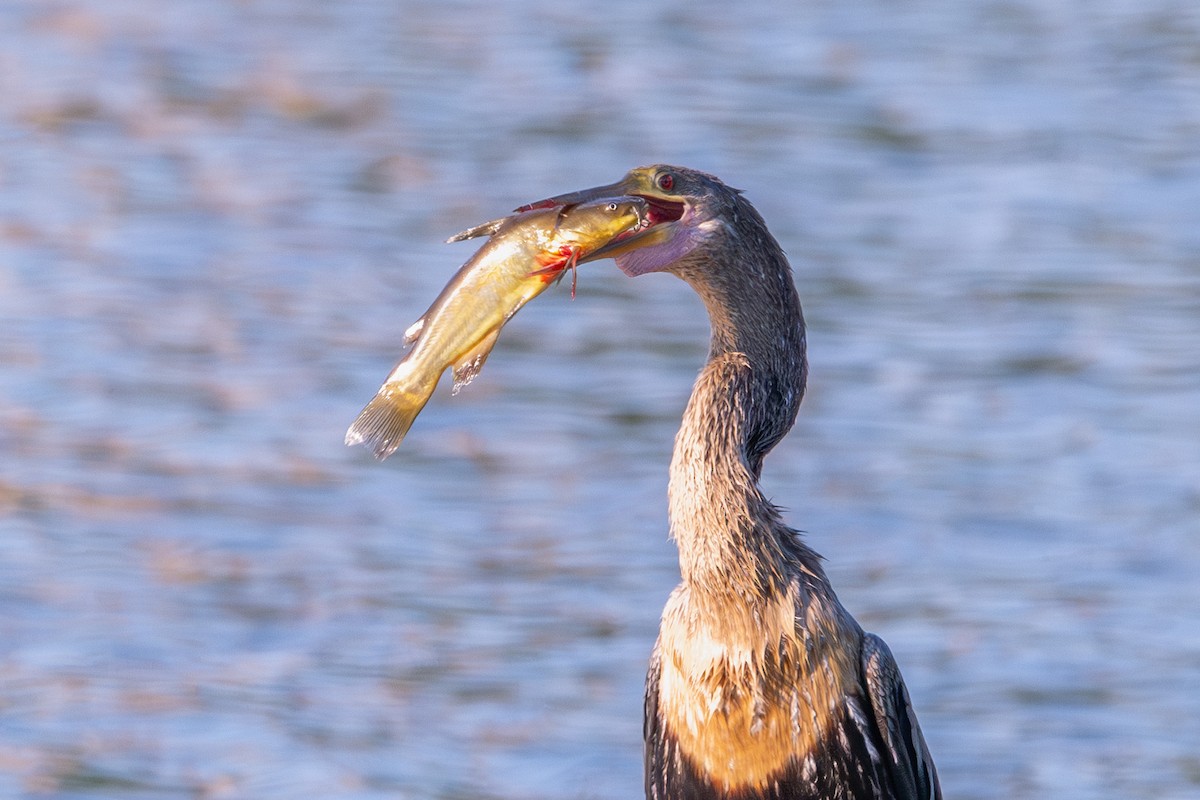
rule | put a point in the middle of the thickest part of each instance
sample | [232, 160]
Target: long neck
[745, 400]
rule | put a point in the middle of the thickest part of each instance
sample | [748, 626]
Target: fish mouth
[656, 227]
[660, 212]
[658, 220]
[657, 212]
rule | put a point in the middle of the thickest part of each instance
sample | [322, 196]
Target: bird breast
[747, 691]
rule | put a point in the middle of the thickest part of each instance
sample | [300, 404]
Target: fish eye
[665, 181]
[612, 206]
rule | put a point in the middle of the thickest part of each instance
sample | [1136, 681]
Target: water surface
[216, 220]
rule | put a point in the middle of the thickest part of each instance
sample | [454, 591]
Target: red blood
[553, 263]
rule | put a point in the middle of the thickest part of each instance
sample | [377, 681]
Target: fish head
[594, 225]
[684, 208]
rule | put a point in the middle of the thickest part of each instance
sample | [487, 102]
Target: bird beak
[582, 196]
[662, 209]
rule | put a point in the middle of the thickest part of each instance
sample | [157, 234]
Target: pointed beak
[662, 210]
[582, 196]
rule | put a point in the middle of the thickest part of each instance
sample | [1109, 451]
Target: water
[216, 219]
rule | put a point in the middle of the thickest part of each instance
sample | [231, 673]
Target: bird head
[685, 208]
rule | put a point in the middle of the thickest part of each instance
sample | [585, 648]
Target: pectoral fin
[469, 365]
[414, 331]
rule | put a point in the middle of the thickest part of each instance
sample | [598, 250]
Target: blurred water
[216, 219]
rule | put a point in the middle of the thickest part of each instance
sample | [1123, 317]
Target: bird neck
[745, 400]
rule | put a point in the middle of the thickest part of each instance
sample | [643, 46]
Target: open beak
[661, 209]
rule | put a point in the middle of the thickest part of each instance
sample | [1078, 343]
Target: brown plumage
[761, 684]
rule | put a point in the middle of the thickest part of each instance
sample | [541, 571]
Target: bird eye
[665, 181]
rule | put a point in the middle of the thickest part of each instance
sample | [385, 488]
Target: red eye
[666, 181]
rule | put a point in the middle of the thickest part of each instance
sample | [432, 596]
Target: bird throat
[731, 651]
[719, 518]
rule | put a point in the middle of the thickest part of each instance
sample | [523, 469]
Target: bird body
[761, 684]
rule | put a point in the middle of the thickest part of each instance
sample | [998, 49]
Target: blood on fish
[555, 262]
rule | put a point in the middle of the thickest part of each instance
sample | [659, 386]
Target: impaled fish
[526, 252]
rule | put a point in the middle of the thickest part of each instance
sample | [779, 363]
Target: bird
[761, 685]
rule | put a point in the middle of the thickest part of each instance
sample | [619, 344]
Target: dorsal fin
[469, 365]
[485, 229]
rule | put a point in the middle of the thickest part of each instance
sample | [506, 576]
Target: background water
[216, 219]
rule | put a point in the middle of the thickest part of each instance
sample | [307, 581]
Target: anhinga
[761, 684]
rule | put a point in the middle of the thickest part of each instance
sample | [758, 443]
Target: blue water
[217, 218]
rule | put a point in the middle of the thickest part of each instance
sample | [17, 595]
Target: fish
[525, 253]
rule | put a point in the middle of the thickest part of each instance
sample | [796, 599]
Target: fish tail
[384, 422]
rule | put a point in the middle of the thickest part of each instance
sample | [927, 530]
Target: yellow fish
[525, 254]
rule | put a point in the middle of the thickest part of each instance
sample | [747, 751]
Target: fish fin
[414, 331]
[556, 263]
[485, 229]
[384, 422]
[554, 271]
[469, 365]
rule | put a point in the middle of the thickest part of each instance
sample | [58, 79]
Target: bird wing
[911, 765]
[651, 728]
